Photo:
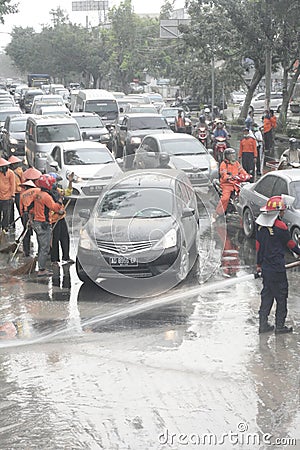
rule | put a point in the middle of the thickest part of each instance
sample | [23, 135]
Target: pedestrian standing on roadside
[260, 150]
[274, 125]
[272, 240]
[248, 153]
[249, 121]
[267, 131]
[7, 193]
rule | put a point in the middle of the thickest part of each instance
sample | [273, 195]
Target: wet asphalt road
[186, 369]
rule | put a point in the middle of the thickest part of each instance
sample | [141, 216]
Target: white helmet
[207, 110]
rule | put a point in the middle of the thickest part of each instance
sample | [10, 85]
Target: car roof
[19, 117]
[137, 115]
[172, 137]
[52, 120]
[84, 114]
[77, 145]
[288, 174]
[159, 178]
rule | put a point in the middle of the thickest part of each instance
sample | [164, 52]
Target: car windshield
[145, 203]
[155, 98]
[18, 126]
[87, 156]
[89, 122]
[147, 123]
[182, 147]
[141, 109]
[58, 133]
[5, 113]
[105, 106]
[295, 192]
[172, 112]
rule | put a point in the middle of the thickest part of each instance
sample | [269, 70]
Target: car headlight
[85, 241]
[135, 140]
[13, 141]
[105, 136]
[169, 240]
[12, 149]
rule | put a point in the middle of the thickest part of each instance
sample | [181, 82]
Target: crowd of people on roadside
[40, 204]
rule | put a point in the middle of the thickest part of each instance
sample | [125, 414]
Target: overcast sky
[33, 13]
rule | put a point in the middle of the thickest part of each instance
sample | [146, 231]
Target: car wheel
[296, 235]
[251, 108]
[279, 108]
[248, 223]
[81, 273]
[184, 264]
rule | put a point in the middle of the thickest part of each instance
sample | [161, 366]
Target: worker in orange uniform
[28, 192]
[248, 153]
[180, 122]
[267, 131]
[274, 125]
[42, 207]
[229, 168]
[16, 167]
[7, 193]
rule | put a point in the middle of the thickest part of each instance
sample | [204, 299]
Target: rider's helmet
[55, 176]
[219, 123]
[274, 203]
[164, 160]
[46, 181]
[293, 142]
[207, 110]
[229, 154]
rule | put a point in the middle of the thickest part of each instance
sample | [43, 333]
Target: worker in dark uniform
[272, 240]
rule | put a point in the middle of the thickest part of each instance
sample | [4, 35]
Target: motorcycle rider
[248, 153]
[272, 239]
[180, 122]
[229, 168]
[291, 156]
[164, 160]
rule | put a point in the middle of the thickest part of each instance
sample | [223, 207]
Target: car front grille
[124, 247]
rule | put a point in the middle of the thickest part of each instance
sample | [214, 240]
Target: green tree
[7, 7]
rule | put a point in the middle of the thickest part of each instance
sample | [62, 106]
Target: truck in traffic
[37, 79]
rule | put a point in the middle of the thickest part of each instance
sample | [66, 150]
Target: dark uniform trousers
[275, 285]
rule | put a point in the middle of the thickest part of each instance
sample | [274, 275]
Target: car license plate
[123, 261]
[195, 175]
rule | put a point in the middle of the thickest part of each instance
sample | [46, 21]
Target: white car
[238, 97]
[258, 102]
[92, 163]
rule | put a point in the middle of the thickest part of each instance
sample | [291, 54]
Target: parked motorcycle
[238, 181]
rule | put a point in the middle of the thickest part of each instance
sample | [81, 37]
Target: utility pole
[268, 75]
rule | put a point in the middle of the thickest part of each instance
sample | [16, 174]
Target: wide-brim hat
[32, 174]
[267, 219]
[14, 159]
[3, 162]
[28, 183]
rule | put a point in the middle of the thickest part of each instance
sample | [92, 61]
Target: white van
[43, 132]
[99, 101]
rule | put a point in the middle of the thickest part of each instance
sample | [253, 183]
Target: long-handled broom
[15, 245]
[30, 265]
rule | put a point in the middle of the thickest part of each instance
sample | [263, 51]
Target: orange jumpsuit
[228, 170]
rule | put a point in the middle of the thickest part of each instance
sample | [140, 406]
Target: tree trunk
[287, 92]
[258, 74]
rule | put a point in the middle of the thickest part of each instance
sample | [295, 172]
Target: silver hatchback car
[254, 196]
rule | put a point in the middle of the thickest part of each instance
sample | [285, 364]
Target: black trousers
[5, 207]
[60, 235]
[268, 138]
[248, 164]
[275, 286]
[26, 240]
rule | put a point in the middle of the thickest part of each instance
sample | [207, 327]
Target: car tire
[279, 108]
[296, 235]
[81, 273]
[251, 108]
[183, 264]
[248, 223]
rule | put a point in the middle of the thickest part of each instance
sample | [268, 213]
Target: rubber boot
[264, 326]
[283, 330]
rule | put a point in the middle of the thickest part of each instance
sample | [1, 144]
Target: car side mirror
[84, 213]
[152, 154]
[188, 212]
[84, 135]
[210, 151]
